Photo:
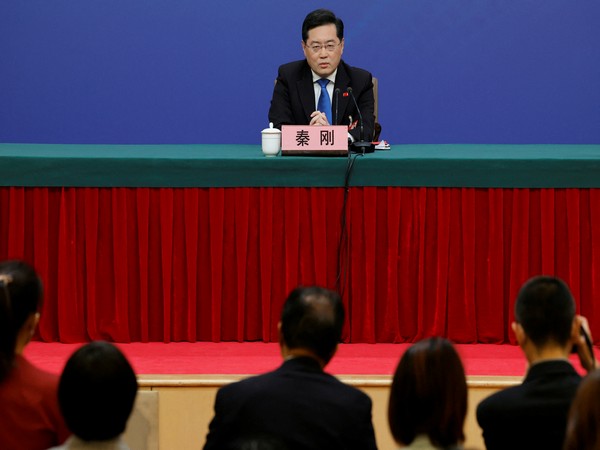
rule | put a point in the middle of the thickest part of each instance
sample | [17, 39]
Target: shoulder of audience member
[499, 401]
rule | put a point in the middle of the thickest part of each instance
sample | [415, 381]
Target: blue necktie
[324, 100]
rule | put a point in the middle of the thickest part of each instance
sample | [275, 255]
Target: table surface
[431, 165]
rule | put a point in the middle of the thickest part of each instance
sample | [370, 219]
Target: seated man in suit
[313, 91]
[298, 403]
[534, 414]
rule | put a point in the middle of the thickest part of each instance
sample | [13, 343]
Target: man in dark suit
[298, 404]
[534, 414]
[306, 92]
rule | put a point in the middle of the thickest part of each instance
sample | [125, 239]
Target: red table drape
[212, 264]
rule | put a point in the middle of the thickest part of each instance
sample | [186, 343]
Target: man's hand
[318, 118]
[587, 358]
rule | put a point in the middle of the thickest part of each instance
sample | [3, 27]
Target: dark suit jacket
[294, 97]
[299, 403]
[534, 414]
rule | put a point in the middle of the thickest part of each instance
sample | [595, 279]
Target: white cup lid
[271, 130]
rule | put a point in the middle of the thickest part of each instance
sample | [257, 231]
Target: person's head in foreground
[20, 300]
[96, 392]
[544, 313]
[311, 323]
[583, 426]
[545, 325]
[428, 398]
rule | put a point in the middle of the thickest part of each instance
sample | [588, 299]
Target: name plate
[306, 140]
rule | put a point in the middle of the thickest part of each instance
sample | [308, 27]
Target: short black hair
[545, 309]
[313, 318]
[321, 17]
[96, 392]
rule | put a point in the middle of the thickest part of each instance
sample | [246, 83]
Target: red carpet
[253, 357]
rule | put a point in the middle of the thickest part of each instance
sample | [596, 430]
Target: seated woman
[96, 393]
[29, 414]
[583, 430]
[428, 398]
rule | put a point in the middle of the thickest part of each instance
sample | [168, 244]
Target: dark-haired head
[20, 299]
[319, 18]
[582, 426]
[545, 309]
[312, 319]
[429, 394]
[96, 392]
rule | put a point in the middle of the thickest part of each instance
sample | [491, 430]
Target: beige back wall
[185, 406]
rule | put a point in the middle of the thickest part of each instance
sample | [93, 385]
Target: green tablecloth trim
[448, 165]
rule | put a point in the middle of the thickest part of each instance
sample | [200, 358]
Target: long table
[203, 242]
[481, 166]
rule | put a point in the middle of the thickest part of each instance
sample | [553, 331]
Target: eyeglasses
[329, 47]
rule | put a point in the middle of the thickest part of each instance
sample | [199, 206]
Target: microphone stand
[361, 146]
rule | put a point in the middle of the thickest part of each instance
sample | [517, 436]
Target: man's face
[323, 62]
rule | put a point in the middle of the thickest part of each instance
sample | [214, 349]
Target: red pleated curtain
[215, 264]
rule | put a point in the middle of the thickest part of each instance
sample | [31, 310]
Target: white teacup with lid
[271, 140]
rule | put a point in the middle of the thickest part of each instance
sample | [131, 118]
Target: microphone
[361, 146]
[336, 100]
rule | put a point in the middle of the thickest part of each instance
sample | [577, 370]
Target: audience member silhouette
[583, 425]
[428, 398]
[534, 414]
[29, 415]
[298, 403]
[96, 393]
